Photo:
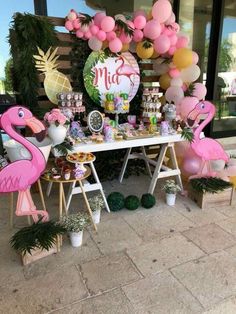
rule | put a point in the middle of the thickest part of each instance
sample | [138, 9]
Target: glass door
[225, 83]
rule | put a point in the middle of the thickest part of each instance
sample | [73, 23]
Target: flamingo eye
[202, 106]
[21, 113]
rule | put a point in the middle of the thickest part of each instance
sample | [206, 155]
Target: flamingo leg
[25, 206]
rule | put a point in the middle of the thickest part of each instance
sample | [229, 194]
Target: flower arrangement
[55, 116]
[170, 187]
[75, 222]
[96, 203]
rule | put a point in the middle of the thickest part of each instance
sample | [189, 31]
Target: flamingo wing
[210, 149]
[16, 176]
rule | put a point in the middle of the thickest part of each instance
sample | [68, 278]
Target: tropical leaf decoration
[209, 184]
[42, 235]
[187, 134]
[123, 27]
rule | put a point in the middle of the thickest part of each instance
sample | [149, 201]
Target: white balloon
[160, 68]
[95, 44]
[190, 74]
[177, 81]
[132, 47]
[120, 17]
[174, 94]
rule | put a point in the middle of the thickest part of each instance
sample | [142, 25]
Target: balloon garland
[153, 35]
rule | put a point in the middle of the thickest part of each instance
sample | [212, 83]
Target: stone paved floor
[162, 260]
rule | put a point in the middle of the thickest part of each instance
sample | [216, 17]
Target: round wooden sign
[105, 74]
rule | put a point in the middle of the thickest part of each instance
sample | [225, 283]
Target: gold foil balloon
[143, 52]
[165, 81]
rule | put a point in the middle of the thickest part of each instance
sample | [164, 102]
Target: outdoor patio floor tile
[8, 304]
[229, 225]
[113, 302]
[162, 254]
[165, 221]
[162, 294]
[211, 279]
[68, 256]
[226, 307]
[210, 238]
[108, 272]
[200, 217]
[115, 235]
[49, 291]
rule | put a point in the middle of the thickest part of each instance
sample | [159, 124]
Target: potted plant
[96, 204]
[38, 240]
[74, 225]
[171, 189]
[56, 122]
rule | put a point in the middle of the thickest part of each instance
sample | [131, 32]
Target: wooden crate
[205, 200]
[38, 253]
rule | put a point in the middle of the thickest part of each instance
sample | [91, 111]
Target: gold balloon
[183, 58]
[154, 55]
[149, 15]
[142, 52]
[164, 81]
[105, 44]
[233, 181]
[163, 100]
[125, 48]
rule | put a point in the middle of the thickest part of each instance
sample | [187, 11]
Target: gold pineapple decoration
[55, 82]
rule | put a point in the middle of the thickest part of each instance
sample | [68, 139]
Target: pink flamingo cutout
[206, 148]
[21, 174]
[125, 69]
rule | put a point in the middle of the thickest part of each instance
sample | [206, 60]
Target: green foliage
[123, 27]
[132, 202]
[64, 148]
[41, 235]
[26, 33]
[148, 200]
[170, 187]
[209, 184]
[187, 134]
[189, 91]
[116, 201]
[8, 75]
[226, 57]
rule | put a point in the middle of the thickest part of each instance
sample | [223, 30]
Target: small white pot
[170, 199]
[57, 133]
[96, 216]
[76, 238]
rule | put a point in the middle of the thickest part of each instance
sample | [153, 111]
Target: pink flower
[55, 116]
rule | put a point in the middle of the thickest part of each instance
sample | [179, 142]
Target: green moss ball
[116, 201]
[132, 202]
[148, 200]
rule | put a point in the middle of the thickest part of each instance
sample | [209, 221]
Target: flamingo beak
[192, 116]
[37, 127]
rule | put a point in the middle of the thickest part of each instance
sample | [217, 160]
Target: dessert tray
[136, 134]
[80, 157]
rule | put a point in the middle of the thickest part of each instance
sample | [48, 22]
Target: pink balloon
[125, 39]
[187, 104]
[87, 35]
[79, 34]
[162, 44]
[76, 24]
[98, 17]
[72, 15]
[69, 25]
[172, 50]
[152, 29]
[174, 94]
[101, 35]
[115, 45]
[139, 12]
[191, 162]
[111, 36]
[195, 57]
[107, 24]
[130, 24]
[175, 27]
[138, 35]
[174, 73]
[173, 39]
[94, 29]
[182, 42]
[167, 31]
[84, 28]
[199, 90]
[171, 19]
[161, 10]
[184, 87]
[176, 82]
[140, 22]
[95, 44]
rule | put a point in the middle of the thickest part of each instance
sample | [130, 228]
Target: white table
[160, 171]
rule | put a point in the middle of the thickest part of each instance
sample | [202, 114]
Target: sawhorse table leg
[167, 172]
